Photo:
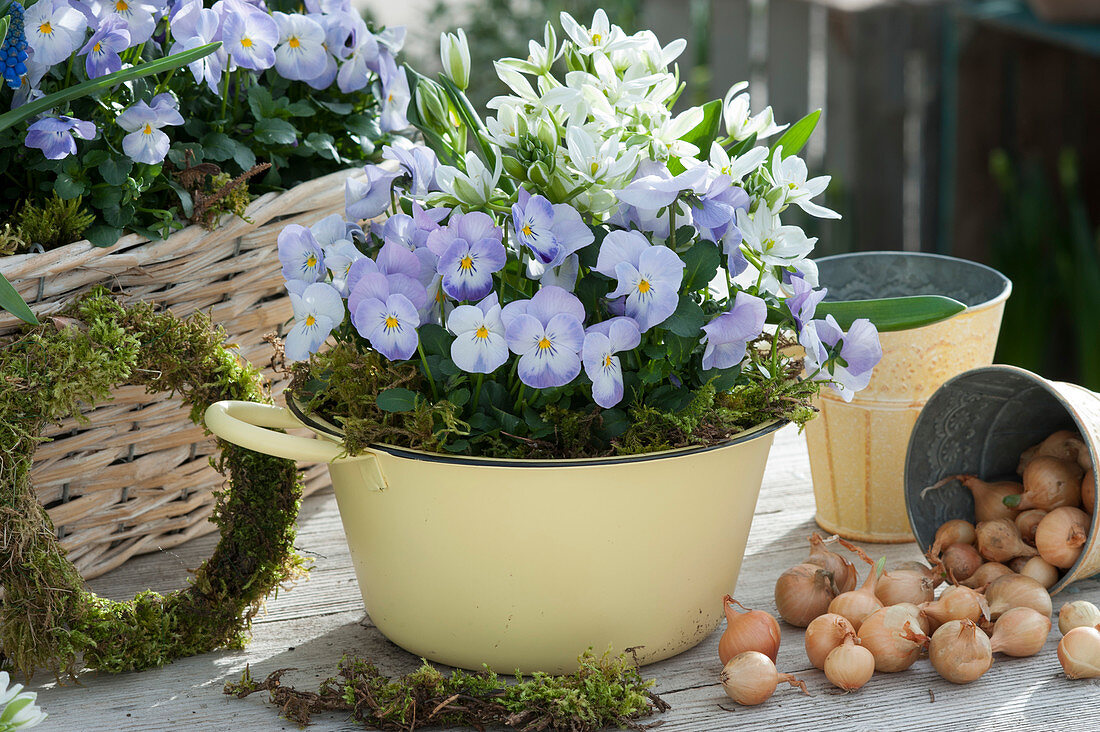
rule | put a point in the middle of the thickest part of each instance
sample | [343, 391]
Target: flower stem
[427, 371]
[672, 226]
[225, 96]
[477, 390]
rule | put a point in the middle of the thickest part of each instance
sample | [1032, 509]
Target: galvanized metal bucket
[979, 422]
[857, 448]
[522, 564]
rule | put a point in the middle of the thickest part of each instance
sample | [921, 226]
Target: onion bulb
[924, 623]
[754, 630]
[849, 666]
[904, 585]
[1079, 653]
[986, 574]
[1078, 614]
[1066, 445]
[750, 678]
[1020, 632]
[1041, 571]
[803, 592]
[858, 604]
[1088, 491]
[934, 574]
[894, 637]
[956, 603]
[960, 652]
[955, 531]
[1027, 522]
[1018, 563]
[961, 561]
[823, 634]
[988, 497]
[1049, 483]
[844, 574]
[1061, 536]
[999, 541]
[1016, 590]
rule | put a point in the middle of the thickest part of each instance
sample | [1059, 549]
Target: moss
[48, 618]
[53, 222]
[10, 242]
[602, 692]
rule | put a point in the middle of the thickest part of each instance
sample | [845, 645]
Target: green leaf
[363, 125]
[508, 422]
[243, 155]
[68, 187]
[794, 139]
[48, 102]
[652, 372]
[704, 133]
[723, 379]
[892, 313]
[459, 397]
[687, 320]
[218, 146]
[115, 171]
[13, 303]
[102, 235]
[396, 399]
[275, 132]
[615, 422]
[702, 262]
[322, 144]
[679, 348]
[185, 154]
[434, 339]
[301, 108]
[260, 102]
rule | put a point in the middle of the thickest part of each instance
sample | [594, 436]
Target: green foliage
[1051, 251]
[52, 222]
[48, 618]
[602, 692]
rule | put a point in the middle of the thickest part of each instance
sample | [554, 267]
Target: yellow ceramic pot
[522, 564]
[857, 449]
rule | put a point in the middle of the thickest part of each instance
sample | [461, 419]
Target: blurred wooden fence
[873, 66]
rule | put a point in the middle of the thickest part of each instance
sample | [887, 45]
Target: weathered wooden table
[310, 627]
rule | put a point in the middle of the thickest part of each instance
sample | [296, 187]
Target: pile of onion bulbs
[1036, 527]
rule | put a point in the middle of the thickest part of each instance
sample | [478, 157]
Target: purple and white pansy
[727, 335]
[547, 333]
[146, 143]
[649, 276]
[318, 309]
[470, 251]
[387, 319]
[54, 135]
[601, 343]
[844, 359]
[480, 345]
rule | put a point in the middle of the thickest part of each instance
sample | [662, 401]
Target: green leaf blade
[797, 135]
[396, 399]
[13, 303]
[892, 313]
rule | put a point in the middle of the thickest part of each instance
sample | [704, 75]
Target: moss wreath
[49, 619]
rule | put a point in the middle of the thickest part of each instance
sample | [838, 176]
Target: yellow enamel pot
[522, 564]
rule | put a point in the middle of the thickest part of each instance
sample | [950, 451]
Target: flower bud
[454, 51]
[546, 130]
[514, 167]
[538, 174]
[431, 105]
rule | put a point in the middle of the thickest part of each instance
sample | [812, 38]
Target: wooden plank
[788, 64]
[729, 45]
[309, 628]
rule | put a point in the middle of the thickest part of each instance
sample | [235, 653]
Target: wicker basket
[136, 478]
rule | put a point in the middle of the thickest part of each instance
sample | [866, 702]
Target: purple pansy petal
[480, 345]
[369, 198]
[513, 310]
[389, 325]
[300, 254]
[550, 355]
[604, 369]
[317, 310]
[727, 335]
[620, 246]
[551, 300]
[409, 287]
[366, 285]
[468, 269]
[396, 259]
[804, 301]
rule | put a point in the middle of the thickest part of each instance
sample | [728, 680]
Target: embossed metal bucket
[979, 422]
[857, 448]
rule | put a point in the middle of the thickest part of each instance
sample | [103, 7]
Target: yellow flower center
[311, 261]
[726, 170]
[466, 263]
[97, 48]
[768, 244]
[46, 28]
[526, 229]
[792, 186]
[607, 361]
[310, 320]
[644, 286]
[544, 343]
[596, 38]
[246, 42]
[391, 322]
[122, 6]
[594, 167]
[294, 43]
[148, 129]
[481, 332]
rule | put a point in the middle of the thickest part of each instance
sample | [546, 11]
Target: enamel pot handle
[252, 426]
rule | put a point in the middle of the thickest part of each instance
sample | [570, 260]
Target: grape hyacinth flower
[803, 301]
[54, 135]
[648, 275]
[53, 31]
[551, 232]
[546, 332]
[13, 54]
[102, 50]
[146, 143]
[249, 34]
[301, 256]
[727, 335]
[846, 360]
[301, 54]
[480, 345]
[318, 309]
[470, 251]
[369, 198]
[385, 318]
[600, 362]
